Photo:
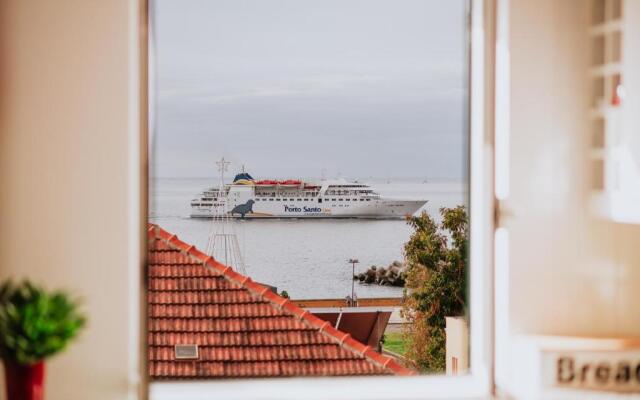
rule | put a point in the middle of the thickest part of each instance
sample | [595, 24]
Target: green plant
[34, 323]
[436, 284]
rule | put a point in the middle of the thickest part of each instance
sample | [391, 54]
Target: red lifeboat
[267, 182]
[274, 182]
[290, 182]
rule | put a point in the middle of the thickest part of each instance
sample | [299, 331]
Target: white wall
[457, 345]
[66, 122]
[570, 273]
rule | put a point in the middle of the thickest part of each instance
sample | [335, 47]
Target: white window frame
[479, 382]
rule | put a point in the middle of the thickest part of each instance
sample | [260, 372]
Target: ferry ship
[250, 198]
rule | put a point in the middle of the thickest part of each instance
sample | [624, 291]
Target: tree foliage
[436, 283]
[34, 323]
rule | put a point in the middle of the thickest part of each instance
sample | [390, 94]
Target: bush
[34, 323]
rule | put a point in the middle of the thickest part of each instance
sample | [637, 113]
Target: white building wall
[570, 273]
[457, 345]
[68, 124]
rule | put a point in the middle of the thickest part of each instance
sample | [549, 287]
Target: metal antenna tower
[223, 242]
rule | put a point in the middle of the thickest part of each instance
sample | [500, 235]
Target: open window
[260, 100]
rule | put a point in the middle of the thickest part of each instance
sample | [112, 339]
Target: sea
[307, 258]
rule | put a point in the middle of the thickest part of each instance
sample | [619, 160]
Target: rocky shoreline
[392, 275]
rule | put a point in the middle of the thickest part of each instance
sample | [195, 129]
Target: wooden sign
[612, 371]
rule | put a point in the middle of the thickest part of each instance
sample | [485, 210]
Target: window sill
[420, 387]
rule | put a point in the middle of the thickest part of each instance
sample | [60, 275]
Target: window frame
[480, 381]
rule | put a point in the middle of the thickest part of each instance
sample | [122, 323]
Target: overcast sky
[292, 88]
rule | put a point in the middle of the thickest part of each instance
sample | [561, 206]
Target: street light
[353, 262]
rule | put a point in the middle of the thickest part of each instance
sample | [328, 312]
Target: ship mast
[223, 243]
[223, 166]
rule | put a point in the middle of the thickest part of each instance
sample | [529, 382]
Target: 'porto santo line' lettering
[302, 209]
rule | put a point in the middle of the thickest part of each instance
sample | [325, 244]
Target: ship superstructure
[250, 198]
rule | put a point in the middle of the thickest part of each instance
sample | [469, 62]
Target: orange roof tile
[241, 327]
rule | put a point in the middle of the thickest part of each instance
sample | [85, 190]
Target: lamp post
[353, 262]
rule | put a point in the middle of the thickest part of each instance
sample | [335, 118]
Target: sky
[309, 88]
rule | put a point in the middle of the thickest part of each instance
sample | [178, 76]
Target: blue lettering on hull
[303, 209]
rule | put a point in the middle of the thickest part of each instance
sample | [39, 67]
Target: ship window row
[263, 194]
[278, 199]
[306, 199]
[349, 192]
[341, 199]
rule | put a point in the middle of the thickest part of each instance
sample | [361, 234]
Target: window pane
[267, 107]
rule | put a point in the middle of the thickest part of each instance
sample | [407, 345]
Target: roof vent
[186, 351]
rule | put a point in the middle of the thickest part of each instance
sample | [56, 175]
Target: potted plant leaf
[34, 324]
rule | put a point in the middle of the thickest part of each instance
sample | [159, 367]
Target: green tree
[436, 284]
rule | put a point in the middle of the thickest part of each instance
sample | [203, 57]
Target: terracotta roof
[242, 329]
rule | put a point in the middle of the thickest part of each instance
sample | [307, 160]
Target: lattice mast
[223, 242]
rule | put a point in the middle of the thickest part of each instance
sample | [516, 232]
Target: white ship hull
[373, 209]
[248, 198]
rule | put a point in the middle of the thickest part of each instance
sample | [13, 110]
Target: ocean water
[307, 258]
